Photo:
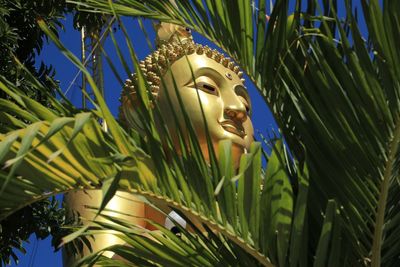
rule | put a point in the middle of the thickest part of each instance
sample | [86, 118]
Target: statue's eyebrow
[215, 74]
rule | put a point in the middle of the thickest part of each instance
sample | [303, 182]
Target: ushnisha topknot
[156, 65]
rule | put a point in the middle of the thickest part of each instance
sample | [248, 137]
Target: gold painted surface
[81, 201]
[221, 94]
[167, 33]
[217, 87]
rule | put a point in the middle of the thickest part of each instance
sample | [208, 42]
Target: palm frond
[63, 149]
[328, 88]
[334, 95]
[56, 154]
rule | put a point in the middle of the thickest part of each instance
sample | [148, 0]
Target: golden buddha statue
[221, 91]
[217, 88]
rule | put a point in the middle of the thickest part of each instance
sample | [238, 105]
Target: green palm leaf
[339, 99]
[334, 96]
[74, 152]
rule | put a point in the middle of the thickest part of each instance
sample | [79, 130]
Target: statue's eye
[207, 88]
[206, 84]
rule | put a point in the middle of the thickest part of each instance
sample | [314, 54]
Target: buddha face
[223, 98]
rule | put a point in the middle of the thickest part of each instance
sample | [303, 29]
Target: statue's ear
[130, 103]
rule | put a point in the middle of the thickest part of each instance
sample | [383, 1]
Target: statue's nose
[234, 109]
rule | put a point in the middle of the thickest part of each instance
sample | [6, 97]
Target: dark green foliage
[21, 38]
[41, 218]
[335, 97]
[92, 21]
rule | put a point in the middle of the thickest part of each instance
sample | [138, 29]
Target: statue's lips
[232, 127]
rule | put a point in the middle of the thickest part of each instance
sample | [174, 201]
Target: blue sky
[39, 252]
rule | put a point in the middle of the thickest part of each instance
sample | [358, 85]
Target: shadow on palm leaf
[203, 101]
[230, 205]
